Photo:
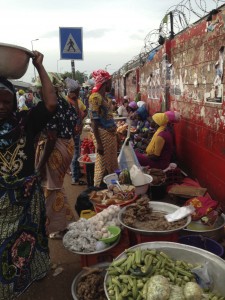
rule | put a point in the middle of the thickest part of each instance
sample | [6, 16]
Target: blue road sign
[71, 43]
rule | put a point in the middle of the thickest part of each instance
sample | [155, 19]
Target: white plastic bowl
[142, 189]
[14, 61]
[92, 157]
[107, 179]
[139, 190]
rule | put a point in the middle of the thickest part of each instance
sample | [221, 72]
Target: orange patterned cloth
[203, 206]
[58, 212]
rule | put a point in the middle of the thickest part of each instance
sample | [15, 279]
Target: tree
[80, 76]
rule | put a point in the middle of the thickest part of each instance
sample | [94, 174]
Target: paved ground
[58, 287]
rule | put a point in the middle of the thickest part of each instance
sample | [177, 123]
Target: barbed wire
[176, 19]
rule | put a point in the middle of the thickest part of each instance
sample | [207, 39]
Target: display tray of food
[94, 235]
[165, 271]
[114, 195]
[89, 283]
[148, 217]
[87, 158]
[215, 231]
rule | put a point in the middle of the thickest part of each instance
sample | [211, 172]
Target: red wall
[200, 136]
[181, 77]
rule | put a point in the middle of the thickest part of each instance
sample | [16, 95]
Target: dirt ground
[67, 264]
[58, 287]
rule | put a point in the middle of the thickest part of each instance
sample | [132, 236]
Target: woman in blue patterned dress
[24, 255]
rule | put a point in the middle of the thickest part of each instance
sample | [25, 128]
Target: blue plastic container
[202, 242]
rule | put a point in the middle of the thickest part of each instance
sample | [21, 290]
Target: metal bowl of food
[14, 61]
[158, 207]
[215, 232]
[182, 253]
[83, 281]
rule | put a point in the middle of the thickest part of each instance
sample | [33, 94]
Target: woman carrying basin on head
[24, 255]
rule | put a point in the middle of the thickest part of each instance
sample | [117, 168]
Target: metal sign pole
[73, 69]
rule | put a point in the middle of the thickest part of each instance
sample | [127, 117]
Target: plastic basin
[202, 242]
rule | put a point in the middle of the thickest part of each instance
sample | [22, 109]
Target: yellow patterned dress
[100, 110]
[24, 255]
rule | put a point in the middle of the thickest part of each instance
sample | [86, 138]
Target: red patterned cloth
[203, 206]
[100, 77]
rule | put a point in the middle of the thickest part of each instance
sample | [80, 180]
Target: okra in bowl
[167, 267]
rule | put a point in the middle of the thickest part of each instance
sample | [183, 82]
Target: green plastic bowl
[115, 231]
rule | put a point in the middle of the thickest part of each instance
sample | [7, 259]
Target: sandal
[78, 182]
[57, 235]
[81, 182]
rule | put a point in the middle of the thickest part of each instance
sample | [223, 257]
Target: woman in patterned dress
[53, 158]
[104, 127]
[24, 254]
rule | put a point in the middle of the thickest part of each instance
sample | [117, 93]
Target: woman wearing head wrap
[159, 151]
[24, 251]
[132, 106]
[22, 101]
[104, 127]
[53, 158]
[143, 132]
[73, 96]
[122, 110]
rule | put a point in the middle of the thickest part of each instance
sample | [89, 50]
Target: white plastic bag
[137, 176]
[180, 213]
[203, 277]
[127, 157]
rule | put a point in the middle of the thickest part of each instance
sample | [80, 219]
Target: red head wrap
[100, 77]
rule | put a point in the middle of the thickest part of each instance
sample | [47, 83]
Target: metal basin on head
[14, 61]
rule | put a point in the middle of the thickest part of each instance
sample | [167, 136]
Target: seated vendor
[144, 132]
[122, 110]
[131, 109]
[159, 151]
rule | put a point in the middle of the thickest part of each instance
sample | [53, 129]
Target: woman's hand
[100, 149]
[37, 59]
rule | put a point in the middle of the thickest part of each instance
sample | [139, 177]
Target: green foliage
[80, 76]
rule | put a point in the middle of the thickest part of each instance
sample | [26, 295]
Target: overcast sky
[113, 30]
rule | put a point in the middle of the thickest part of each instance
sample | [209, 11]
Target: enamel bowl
[14, 61]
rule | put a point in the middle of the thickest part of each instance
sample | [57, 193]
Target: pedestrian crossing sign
[71, 43]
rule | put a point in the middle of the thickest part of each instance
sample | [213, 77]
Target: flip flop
[81, 182]
[57, 235]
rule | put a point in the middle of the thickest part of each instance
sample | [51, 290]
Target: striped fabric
[107, 163]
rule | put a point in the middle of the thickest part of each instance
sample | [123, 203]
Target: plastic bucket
[202, 242]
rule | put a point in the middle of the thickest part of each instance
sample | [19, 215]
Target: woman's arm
[48, 148]
[48, 90]
[100, 149]
[95, 101]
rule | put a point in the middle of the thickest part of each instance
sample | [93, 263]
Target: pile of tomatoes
[86, 158]
[87, 146]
